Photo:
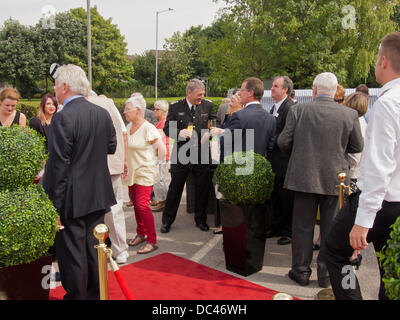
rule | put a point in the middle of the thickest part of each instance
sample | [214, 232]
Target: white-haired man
[187, 153]
[78, 181]
[317, 135]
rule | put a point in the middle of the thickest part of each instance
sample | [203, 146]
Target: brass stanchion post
[327, 294]
[101, 232]
[342, 189]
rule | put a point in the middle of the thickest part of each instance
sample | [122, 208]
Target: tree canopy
[262, 38]
[26, 53]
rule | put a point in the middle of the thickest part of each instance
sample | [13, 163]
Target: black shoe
[203, 226]
[324, 282]
[302, 280]
[323, 277]
[217, 231]
[165, 228]
[284, 241]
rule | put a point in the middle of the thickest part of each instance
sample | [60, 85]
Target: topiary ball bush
[28, 225]
[22, 154]
[390, 262]
[245, 178]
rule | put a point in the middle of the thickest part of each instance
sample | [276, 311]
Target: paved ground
[187, 241]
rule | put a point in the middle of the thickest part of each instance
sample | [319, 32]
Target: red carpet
[169, 277]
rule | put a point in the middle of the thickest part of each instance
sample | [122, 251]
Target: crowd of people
[92, 154]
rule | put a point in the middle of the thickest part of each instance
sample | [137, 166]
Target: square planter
[26, 281]
[244, 229]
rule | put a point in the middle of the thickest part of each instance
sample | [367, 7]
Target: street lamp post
[157, 13]
[89, 44]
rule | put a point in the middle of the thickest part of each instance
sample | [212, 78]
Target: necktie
[192, 110]
[272, 110]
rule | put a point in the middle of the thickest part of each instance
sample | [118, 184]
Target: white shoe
[122, 258]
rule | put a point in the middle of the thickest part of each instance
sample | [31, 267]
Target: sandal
[137, 240]
[149, 247]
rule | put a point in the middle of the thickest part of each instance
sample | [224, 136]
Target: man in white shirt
[369, 218]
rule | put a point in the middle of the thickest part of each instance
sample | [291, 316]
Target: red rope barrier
[124, 287]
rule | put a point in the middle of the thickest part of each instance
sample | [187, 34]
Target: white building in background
[305, 95]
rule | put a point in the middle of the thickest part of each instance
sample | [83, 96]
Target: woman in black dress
[41, 123]
[9, 98]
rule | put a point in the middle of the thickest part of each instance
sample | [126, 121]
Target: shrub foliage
[28, 219]
[22, 154]
[28, 222]
[245, 178]
[390, 262]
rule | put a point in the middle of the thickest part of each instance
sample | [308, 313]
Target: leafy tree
[299, 38]
[189, 53]
[112, 70]
[26, 53]
[372, 22]
[176, 65]
[18, 57]
[144, 66]
[63, 44]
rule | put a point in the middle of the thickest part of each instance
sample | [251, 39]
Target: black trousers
[304, 217]
[179, 173]
[338, 250]
[77, 257]
[282, 208]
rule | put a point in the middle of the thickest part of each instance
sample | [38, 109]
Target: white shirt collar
[278, 104]
[253, 102]
[389, 85]
[189, 104]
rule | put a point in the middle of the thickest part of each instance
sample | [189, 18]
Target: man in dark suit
[78, 181]
[257, 125]
[318, 136]
[281, 198]
[189, 154]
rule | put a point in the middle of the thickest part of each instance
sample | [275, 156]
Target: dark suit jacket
[279, 160]
[318, 136]
[255, 118]
[76, 177]
[178, 118]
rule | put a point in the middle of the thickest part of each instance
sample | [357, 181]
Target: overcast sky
[136, 19]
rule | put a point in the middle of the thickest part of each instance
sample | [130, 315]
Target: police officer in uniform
[187, 122]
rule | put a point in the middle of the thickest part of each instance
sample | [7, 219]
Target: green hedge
[245, 178]
[22, 152]
[389, 258]
[28, 225]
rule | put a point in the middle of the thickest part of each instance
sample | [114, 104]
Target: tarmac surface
[187, 241]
